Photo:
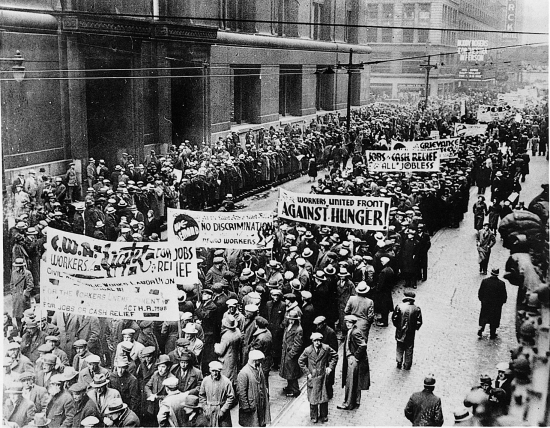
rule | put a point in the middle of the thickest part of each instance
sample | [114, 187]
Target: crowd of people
[254, 312]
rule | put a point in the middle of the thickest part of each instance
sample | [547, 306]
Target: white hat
[255, 354]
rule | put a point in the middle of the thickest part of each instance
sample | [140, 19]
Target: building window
[372, 12]
[246, 80]
[424, 12]
[351, 33]
[287, 18]
[372, 35]
[423, 36]
[387, 35]
[289, 89]
[387, 12]
[408, 11]
[384, 67]
[408, 35]
[321, 15]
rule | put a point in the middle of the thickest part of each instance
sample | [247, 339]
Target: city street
[447, 344]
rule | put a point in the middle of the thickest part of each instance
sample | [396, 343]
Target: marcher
[424, 408]
[194, 415]
[84, 407]
[407, 319]
[355, 366]
[485, 240]
[253, 393]
[363, 308]
[492, 295]
[17, 409]
[216, 396]
[318, 362]
[292, 348]
[61, 408]
[118, 414]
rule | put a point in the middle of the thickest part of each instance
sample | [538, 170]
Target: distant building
[105, 77]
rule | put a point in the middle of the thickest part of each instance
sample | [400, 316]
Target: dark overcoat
[358, 347]
[492, 295]
[292, 347]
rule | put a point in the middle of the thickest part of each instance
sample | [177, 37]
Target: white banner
[252, 229]
[355, 212]
[402, 160]
[74, 254]
[467, 130]
[133, 297]
[448, 147]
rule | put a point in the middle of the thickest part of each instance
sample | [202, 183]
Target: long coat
[216, 398]
[68, 327]
[358, 348]
[407, 319]
[21, 287]
[424, 409]
[228, 351]
[383, 302]
[492, 295]
[363, 308]
[275, 318]
[155, 386]
[315, 364]
[61, 410]
[86, 408]
[22, 413]
[262, 340]
[253, 395]
[40, 397]
[292, 347]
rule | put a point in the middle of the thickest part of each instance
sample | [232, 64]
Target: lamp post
[428, 68]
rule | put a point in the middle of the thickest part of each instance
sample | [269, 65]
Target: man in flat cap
[60, 409]
[189, 377]
[217, 396]
[171, 406]
[253, 393]
[155, 391]
[17, 409]
[84, 407]
[424, 407]
[407, 319]
[37, 394]
[126, 383]
[318, 361]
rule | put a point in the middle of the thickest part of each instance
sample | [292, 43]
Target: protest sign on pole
[244, 230]
[402, 160]
[467, 130]
[75, 254]
[448, 147]
[134, 297]
[355, 212]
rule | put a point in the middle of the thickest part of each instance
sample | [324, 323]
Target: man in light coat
[216, 396]
[32, 392]
[253, 393]
[17, 409]
[363, 308]
[229, 348]
[318, 361]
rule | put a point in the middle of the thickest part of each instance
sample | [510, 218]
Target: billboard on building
[472, 50]
[510, 20]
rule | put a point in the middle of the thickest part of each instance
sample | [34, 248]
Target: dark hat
[186, 356]
[78, 387]
[148, 350]
[495, 272]
[429, 380]
[484, 378]
[100, 379]
[182, 342]
[191, 402]
[117, 405]
[410, 294]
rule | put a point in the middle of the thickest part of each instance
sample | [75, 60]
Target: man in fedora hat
[463, 417]
[206, 312]
[363, 308]
[217, 396]
[155, 391]
[101, 394]
[276, 309]
[229, 348]
[407, 319]
[318, 361]
[189, 377]
[125, 383]
[383, 302]
[492, 295]
[485, 240]
[60, 409]
[194, 415]
[262, 340]
[253, 392]
[48, 369]
[84, 407]
[118, 414]
[344, 290]
[195, 344]
[320, 294]
[17, 409]
[21, 288]
[424, 407]
[291, 350]
[355, 367]
[40, 420]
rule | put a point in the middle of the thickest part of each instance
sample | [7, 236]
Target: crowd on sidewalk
[254, 312]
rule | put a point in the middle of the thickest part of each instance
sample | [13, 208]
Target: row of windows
[386, 12]
[388, 35]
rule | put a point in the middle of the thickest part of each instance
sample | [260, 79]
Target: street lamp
[428, 68]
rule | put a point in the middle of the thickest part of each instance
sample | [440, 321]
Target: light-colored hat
[362, 288]
[89, 421]
[128, 331]
[15, 388]
[350, 318]
[215, 365]
[306, 295]
[316, 336]
[255, 355]
[190, 328]
[40, 420]
[116, 405]
[100, 379]
[92, 358]
[251, 308]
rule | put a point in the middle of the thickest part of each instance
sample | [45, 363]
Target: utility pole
[348, 112]
[428, 68]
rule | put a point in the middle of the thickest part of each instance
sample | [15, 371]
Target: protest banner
[448, 147]
[402, 160]
[467, 130]
[134, 297]
[244, 230]
[355, 212]
[73, 254]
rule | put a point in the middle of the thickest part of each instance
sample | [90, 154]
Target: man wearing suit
[292, 348]
[68, 327]
[18, 409]
[60, 409]
[92, 369]
[100, 394]
[48, 370]
[189, 377]
[32, 392]
[492, 295]
[355, 367]
[407, 319]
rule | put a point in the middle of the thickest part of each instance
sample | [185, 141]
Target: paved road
[447, 345]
